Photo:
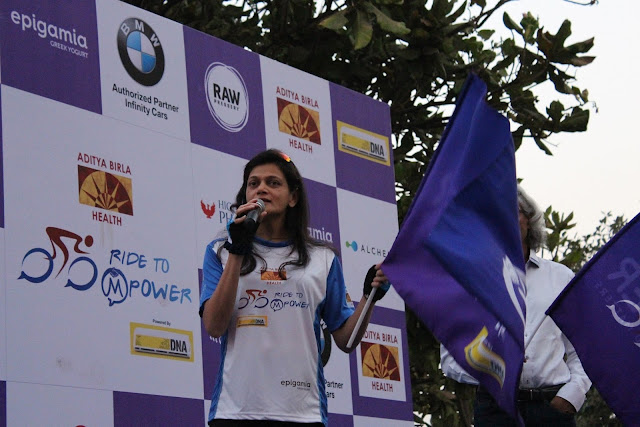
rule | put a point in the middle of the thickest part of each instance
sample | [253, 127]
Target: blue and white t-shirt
[271, 367]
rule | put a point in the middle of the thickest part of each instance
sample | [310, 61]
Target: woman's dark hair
[296, 218]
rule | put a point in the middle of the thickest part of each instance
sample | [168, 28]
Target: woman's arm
[342, 335]
[219, 308]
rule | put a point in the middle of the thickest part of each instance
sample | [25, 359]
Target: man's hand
[562, 405]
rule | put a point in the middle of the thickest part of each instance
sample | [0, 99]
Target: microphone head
[260, 204]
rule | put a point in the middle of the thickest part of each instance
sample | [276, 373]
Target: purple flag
[599, 311]
[457, 260]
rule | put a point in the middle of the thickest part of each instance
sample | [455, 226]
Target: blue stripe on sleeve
[211, 272]
[336, 310]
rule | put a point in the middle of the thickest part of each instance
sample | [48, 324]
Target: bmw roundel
[140, 51]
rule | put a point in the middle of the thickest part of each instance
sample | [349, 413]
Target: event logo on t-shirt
[140, 51]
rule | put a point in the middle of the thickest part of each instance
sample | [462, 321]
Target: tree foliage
[574, 251]
[415, 56]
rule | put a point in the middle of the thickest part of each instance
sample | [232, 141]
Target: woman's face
[267, 182]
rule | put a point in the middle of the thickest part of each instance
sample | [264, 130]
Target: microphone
[251, 223]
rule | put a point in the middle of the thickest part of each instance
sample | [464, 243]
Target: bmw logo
[140, 51]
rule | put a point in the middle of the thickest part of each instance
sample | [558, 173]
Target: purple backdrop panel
[340, 420]
[3, 404]
[1, 171]
[383, 408]
[323, 208]
[225, 95]
[364, 158]
[210, 354]
[52, 50]
[133, 409]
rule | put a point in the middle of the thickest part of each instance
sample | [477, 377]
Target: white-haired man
[553, 383]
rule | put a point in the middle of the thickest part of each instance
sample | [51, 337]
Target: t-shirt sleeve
[211, 272]
[337, 307]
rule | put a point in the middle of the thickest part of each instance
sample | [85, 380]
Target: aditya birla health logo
[380, 361]
[298, 121]
[104, 190]
[140, 51]
[227, 96]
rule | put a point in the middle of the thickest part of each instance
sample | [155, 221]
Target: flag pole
[361, 318]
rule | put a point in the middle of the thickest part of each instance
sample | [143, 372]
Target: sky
[596, 171]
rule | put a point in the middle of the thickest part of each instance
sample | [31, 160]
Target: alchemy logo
[353, 245]
[366, 248]
[298, 121]
[140, 51]
[227, 96]
[103, 190]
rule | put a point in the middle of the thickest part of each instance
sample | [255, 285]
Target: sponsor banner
[3, 299]
[362, 130]
[141, 409]
[115, 243]
[158, 341]
[337, 375]
[1, 169]
[382, 363]
[225, 95]
[3, 404]
[142, 69]
[47, 405]
[51, 49]
[340, 420]
[217, 177]
[365, 243]
[323, 209]
[379, 422]
[297, 112]
[211, 359]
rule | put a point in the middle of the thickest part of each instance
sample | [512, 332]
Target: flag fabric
[599, 311]
[457, 260]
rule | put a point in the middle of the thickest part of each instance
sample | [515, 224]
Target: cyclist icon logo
[55, 237]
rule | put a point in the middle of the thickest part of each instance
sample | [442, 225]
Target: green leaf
[542, 145]
[363, 31]
[576, 122]
[336, 22]
[510, 23]
[580, 61]
[386, 23]
[398, 2]
[486, 34]
[563, 33]
[555, 111]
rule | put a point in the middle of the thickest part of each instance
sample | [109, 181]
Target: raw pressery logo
[140, 51]
[227, 96]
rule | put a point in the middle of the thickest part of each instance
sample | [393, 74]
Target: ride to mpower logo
[67, 40]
